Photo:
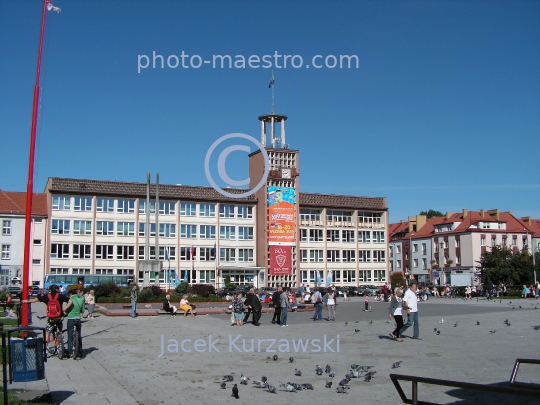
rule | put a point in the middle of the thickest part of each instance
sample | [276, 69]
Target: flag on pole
[50, 7]
[214, 251]
[167, 257]
[319, 280]
[191, 251]
[329, 278]
[186, 276]
[271, 81]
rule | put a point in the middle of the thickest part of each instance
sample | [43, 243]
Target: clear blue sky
[443, 111]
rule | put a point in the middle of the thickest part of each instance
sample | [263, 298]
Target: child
[366, 303]
[345, 296]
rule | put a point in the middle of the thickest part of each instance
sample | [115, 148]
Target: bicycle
[57, 337]
[76, 338]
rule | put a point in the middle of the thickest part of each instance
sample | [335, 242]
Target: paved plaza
[148, 360]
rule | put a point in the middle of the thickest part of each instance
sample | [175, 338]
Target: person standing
[256, 306]
[489, 290]
[285, 305]
[395, 311]
[317, 301]
[248, 304]
[276, 302]
[238, 308]
[331, 304]
[411, 303]
[91, 302]
[74, 309]
[134, 301]
[366, 303]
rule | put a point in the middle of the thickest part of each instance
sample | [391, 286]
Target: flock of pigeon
[506, 322]
[357, 371]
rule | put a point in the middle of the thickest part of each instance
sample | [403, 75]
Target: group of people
[531, 291]
[405, 301]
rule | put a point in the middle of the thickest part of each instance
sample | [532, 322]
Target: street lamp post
[533, 254]
[411, 258]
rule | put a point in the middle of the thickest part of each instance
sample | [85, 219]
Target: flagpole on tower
[271, 85]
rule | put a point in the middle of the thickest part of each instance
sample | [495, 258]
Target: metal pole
[156, 281]
[30, 184]
[147, 224]
[4, 368]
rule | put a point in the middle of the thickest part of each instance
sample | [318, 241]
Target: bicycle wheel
[61, 349]
[76, 344]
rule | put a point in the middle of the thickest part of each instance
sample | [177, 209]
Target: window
[379, 275]
[310, 215]
[245, 255]
[424, 247]
[208, 232]
[61, 203]
[207, 210]
[6, 252]
[227, 254]
[37, 242]
[398, 264]
[104, 271]
[364, 256]
[245, 233]
[125, 229]
[316, 235]
[152, 253]
[188, 209]
[303, 235]
[303, 255]
[458, 260]
[349, 276]
[83, 204]
[227, 232]
[514, 240]
[167, 253]
[82, 227]
[188, 231]
[207, 254]
[60, 226]
[364, 276]
[80, 271]
[364, 236]
[36, 262]
[125, 252]
[379, 256]
[167, 208]
[126, 206]
[168, 230]
[6, 227]
[56, 270]
[207, 276]
[333, 256]
[38, 220]
[245, 212]
[125, 272]
[415, 248]
[226, 211]
[424, 264]
[105, 205]
[332, 235]
[493, 241]
[104, 252]
[366, 217]
[105, 228]
[391, 251]
[339, 216]
[316, 256]
[348, 256]
[59, 251]
[188, 253]
[398, 249]
[378, 236]
[483, 240]
[81, 251]
[446, 243]
[142, 206]
[347, 236]
[504, 240]
[415, 263]
[142, 229]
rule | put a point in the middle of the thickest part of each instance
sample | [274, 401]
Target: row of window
[337, 235]
[127, 252]
[340, 216]
[344, 276]
[342, 256]
[127, 206]
[79, 271]
[187, 231]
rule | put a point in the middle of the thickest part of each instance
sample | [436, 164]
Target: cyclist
[74, 309]
[53, 300]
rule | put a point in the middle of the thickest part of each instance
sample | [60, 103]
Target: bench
[514, 388]
[5, 305]
[178, 312]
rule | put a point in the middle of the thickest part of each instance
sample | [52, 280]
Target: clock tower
[278, 210]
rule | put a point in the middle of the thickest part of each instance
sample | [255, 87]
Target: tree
[397, 280]
[432, 213]
[503, 265]
[228, 282]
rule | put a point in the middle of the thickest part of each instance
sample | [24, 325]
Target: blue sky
[443, 111]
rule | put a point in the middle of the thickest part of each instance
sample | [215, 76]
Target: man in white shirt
[411, 303]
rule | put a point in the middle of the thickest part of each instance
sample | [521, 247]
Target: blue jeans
[283, 319]
[73, 322]
[413, 317]
[318, 311]
[133, 308]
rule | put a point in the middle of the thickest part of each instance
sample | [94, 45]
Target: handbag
[193, 306]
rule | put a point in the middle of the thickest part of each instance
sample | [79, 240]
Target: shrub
[182, 288]
[146, 295]
[397, 280]
[202, 290]
[105, 290]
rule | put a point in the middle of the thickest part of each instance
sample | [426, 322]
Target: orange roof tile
[14, 202]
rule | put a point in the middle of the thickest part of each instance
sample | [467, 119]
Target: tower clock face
[286, 173]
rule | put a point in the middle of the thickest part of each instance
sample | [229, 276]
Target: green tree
[503, 265]
[397, 280]
[228, 282]
[432, 213]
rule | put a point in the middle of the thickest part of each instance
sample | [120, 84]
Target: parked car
[15, 291]
[355, 292]
[34, 291]
[369, 290]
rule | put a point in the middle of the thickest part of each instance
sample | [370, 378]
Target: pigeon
[455, 324]
[477, 300]
[331, 374]
[271, 389]
[513, 308]
[369, 375]
[344, 382]
[307, 386]
[365, 368]
[500, 301]
[434, 329]
[243, 380]
[492, 331]
[296, 386]
[297, 372]
[357, 322]
[328, 384]
[355, 373]
[442, 320]
[235, 391]
[508, 324]
[371, 322]
[520, 307]
[438, 332]
[291, 359]
[397, 364]
[318, 370]
[477, 322]
[264, 379]
[228, 378]
[510, 302]
[354, 366]
[259, 384]
[275, 357]
[346, 323]
[356, 330]
[342, 390]
[349, 375]
[537, 327]
[327, 369]
[223, 385]
[288, 387]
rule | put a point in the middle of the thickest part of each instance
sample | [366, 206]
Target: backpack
[54, 309]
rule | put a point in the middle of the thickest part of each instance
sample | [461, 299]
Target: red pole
[30, 184]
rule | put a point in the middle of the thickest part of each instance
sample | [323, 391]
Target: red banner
[280, 261]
